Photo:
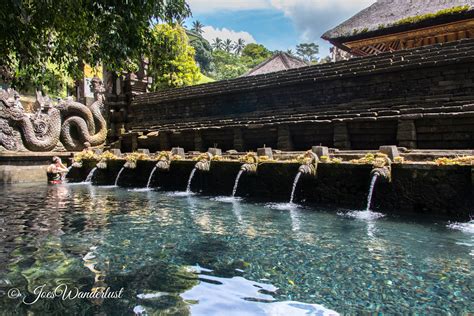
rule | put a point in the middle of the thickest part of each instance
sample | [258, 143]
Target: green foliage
[307, 51]
[172, 58]
[227, 65]
[256, 51]
[52, 79]
[203, 51]
[197, 27]
[227, 45]
[239, 45]
[217, 43]
[70, 33]
[419, 18]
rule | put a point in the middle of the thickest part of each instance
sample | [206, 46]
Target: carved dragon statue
[84, 126]
[77, 126]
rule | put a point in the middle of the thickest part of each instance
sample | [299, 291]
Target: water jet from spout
[90, 175]
[188, 188]
[295, 182]
[118, 176]
[236, 183]
[371, 191]
[150, 177]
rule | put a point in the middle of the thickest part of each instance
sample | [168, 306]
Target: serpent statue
[79, 129]
[77, 126]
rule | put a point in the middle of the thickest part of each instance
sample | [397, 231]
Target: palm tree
[239, 46]
[227, 45]
[179, 21]
[217, 43]
[197, 27]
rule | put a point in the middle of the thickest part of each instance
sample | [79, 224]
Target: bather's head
[56, 160]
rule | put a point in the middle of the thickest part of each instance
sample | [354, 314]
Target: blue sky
[277, 24]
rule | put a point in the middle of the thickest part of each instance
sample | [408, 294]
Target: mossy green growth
[422, 17]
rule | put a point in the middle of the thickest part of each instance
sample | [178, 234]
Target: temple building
[391, 25]
[278, 62]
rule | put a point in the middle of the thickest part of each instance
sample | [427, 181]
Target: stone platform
[420, 189]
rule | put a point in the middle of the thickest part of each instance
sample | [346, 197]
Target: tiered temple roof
[390, 25]
[278, 62]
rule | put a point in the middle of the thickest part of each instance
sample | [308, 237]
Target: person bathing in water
[55, 171]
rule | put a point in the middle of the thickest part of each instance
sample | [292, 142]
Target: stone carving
[71, 123]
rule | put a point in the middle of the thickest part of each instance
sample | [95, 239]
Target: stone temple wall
[421, 98]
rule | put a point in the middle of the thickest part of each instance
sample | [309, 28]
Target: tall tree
[227, 45]
[172, 58]
[308, 51]
[203, 51]
[253, 54]
[217, 43]
[67, 33]
[239, 46]
[197, 27]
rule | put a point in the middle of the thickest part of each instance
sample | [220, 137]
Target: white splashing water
[295, 182]
[371, 192]
[90, 175]
[118, 176]
[190, 180]
[236, 184]
[464, 227]
[366, 215]
[150, 177]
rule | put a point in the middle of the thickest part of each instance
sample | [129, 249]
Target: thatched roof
[386, 16]
[278, 62]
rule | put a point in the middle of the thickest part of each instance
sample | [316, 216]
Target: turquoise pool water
[176, 254]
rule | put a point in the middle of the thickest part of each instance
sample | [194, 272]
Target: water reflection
[143, 241]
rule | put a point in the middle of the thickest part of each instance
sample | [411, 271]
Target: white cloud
[313, 17]
[211, 33]
[205, 6]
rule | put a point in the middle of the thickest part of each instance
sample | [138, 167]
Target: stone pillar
[341, 136]
[134, 138]
[406, 134]
[164, 140]
[238, 140]
[198, 141]
[284, 138]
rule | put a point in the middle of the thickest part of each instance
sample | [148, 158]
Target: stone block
[266, 151]
[215, 151]
[143, 151]
[390, 151]
[320, 151]
[116, 152]
[178, 151]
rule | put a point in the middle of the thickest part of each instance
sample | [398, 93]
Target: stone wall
[421, 98]
[426, 190]
[22, 168]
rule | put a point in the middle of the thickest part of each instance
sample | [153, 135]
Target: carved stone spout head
[204, 163]
[310, 164]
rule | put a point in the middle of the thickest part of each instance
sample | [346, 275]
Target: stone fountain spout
[382, 168]
[204, 163]
[164, 160]
[310, 164]
[251, 163]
